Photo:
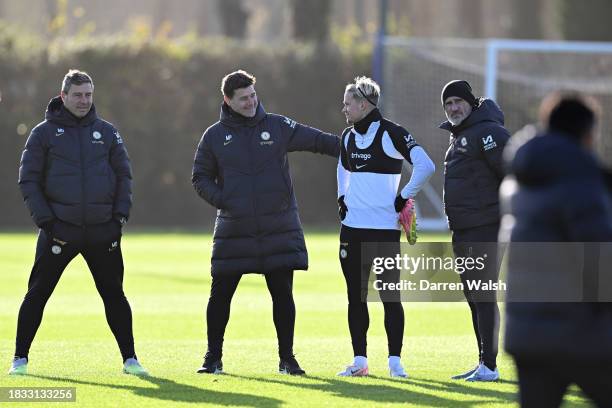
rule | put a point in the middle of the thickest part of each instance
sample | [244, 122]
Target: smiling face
[78, 99]
[244, 101]
[456, 109]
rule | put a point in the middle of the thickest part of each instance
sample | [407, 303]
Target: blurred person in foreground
[76, 180]
[373, 151]
[241, 168]
[555, 193]
[473, 171]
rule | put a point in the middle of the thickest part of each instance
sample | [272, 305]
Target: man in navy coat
[241, 168]
[76, 180]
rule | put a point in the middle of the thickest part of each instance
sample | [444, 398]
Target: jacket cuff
[120, 218]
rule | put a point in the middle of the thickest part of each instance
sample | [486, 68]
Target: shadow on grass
[168, 390]
[477, 389]
[401, 391]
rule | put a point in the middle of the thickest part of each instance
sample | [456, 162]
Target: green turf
[167, 283]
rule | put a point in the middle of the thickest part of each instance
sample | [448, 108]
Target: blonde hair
[364, 88]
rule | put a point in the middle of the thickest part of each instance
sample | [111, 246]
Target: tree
[311, 19]
[585, 21]
[234, 17]
[526, 22]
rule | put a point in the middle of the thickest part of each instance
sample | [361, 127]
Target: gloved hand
[342, 209]
[400, 202]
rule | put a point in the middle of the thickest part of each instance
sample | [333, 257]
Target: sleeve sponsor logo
[488, 143]
[118, 137]
[410, 142]
[290, 123]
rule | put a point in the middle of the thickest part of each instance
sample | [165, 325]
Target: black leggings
[280, 286]
[475, 242]
[100, 245]
[357, 274]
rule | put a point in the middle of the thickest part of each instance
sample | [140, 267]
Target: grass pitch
[167, 282]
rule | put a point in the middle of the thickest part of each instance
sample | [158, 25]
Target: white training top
[370, 195]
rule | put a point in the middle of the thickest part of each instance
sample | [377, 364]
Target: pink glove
[407, 219]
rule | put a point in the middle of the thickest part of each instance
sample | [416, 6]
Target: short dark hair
[236, 80]
[75, 77]
[572, 114]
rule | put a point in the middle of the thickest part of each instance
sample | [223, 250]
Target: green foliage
[162, 95]
[17, 44]
[311, 19]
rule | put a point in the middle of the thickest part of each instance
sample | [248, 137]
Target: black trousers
[100, 245]
[223, 287]
[356, 274]
[543, 384]
[476, 242]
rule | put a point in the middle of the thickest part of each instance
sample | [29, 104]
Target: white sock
[360, 361]
[395, 361]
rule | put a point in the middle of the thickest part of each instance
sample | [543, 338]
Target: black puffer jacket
[241, 168]
[75, 170]
[473, 167]
[555, 193]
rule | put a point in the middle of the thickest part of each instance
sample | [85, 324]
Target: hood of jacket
[57, 113]
[549, 158]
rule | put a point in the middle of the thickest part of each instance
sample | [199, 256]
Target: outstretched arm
[305, 138]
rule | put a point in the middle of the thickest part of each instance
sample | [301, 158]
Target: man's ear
[63, 95]
[226, 99]
[363, 104]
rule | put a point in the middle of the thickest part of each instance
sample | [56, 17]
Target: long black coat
[75, 170]
[556, 193]
[473, 167]
[241, 168]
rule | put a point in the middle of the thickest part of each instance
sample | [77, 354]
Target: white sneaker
[354, 371]
[133, 367]
[397, 371]
[465, 375]
[19, 366]
[483, 373]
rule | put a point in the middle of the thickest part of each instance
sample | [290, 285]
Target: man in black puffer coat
[76, 180]
[241, 168]
[473, 171]
[556, 194]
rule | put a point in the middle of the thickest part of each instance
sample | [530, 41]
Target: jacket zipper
[258, 227]
[82, 155]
